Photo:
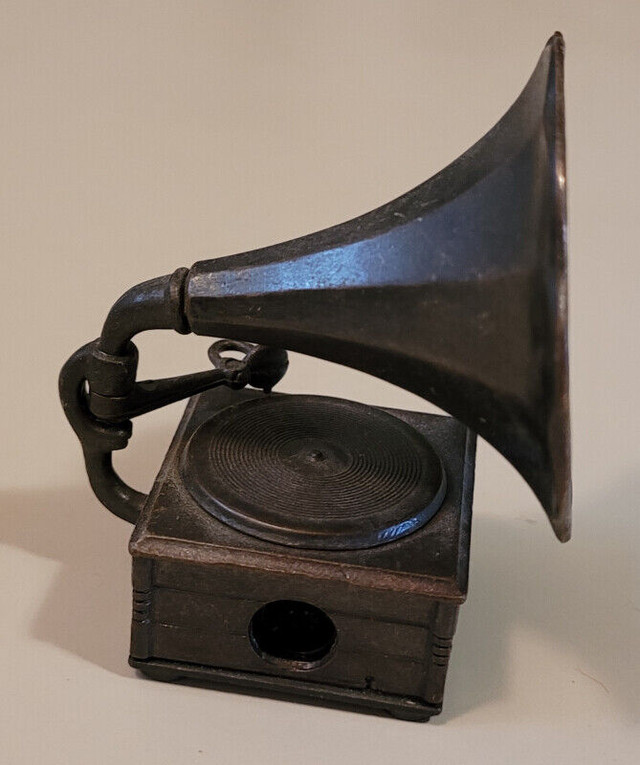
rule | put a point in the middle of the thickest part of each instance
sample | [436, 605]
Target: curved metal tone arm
[98, 439]
[154, 304]
[99, 392]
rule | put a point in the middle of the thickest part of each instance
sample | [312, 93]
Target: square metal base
[198, 583]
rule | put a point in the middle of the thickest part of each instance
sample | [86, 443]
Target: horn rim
[560, 515]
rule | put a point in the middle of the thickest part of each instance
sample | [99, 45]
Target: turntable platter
[314, 472]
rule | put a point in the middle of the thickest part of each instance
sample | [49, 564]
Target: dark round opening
[292, 633]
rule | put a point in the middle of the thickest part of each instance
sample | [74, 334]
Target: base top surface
[433, 560]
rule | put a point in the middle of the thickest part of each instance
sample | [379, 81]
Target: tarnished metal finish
[279, 526]
[455, 291]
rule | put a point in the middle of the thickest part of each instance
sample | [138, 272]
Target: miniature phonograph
[317, 549]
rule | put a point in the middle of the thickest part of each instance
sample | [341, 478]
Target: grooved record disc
[314, 472]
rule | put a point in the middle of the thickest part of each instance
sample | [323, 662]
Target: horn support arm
[100, 394]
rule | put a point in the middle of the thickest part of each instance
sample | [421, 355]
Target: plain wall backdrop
[136, 137]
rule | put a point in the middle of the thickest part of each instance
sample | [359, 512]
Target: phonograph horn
[455, 291]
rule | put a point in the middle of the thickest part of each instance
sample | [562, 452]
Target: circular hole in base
[292, 633]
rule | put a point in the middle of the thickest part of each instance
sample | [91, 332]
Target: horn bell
[455, 291]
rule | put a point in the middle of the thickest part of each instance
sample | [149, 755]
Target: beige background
[140, 136]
